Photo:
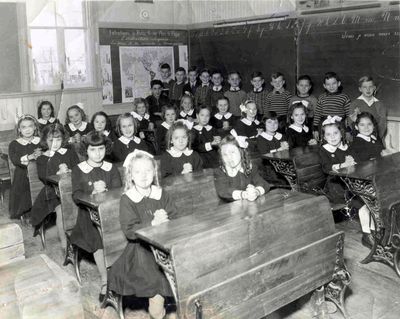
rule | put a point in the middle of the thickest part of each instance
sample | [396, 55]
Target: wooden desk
[377, 182]
[300, 166]
[248, 259]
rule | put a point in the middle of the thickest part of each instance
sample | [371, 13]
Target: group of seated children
[197, 136]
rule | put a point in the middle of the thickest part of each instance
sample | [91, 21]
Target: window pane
[76, 61]
[69, 13]
[40, 13]
[45, 67]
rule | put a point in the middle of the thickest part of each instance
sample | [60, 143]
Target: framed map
[139, 65]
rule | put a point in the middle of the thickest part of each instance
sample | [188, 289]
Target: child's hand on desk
[160, 216]
[99, 187]
[349, 161]
[252, 193]
[62, 169]
[312, 142]
[77, 138]
[284, 146]
[187, 168]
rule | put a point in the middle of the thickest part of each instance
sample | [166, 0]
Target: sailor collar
[44, 122]
[86, 168]
[166, 125]
[248, 122]
[81, 128]
[50, 153]
[24, 142]
[370, 102]
[278, 136]
[190, 113]
[371, 138]
[299, 129]
[200, 128]
[136, 197]
[126, 141]
[332, 149]
[175, 153]
[219, 116]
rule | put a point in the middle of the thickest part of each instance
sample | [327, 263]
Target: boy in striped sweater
[278, 100]
[332, 102]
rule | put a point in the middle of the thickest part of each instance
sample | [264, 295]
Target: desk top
[94, 201]
[289, 155]
[368, 169]
[53, 179]
[167, 235]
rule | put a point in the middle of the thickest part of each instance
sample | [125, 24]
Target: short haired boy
[258, 93]
[235, 94]
[304, 87]
[217, 90]
[367, 102]
[193, 81]
[202, 95]
[165, 73]
[176, 88]
[156, 101]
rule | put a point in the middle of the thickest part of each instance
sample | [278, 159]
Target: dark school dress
[47, 165]
[136, 272]
[123, 146]
[43, 123]
[298, 136]
[248, 128]
[111, 135]
[143, 121]
[155, 106]
[84, 129]
[203, 136]
[225, 184]
[218, 120]
[172, 161]
[365, 148]
[20, 195]
[85, 234]
[161, 137]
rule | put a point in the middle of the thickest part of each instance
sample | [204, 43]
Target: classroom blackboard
[353, 44]
[266, 47]
[119, 37]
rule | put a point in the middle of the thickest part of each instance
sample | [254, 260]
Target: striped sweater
[278, 102]
[331, 104]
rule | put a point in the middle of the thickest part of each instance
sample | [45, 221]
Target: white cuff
[208, 147]
[336, 167]
[24, 160]
[236, 195]
[261, 190]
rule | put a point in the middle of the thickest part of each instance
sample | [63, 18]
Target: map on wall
[139, 65]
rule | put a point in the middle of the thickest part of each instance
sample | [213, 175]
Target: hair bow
[304, 102]
[243, 108]
[331, 120]
[133, 155]
[240, 139]
[80, 105]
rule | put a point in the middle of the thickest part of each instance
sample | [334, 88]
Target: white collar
[268, 137]
[44, 122]
[299, 129]
[136, 197]
[369, 103]
[332, 149]
[61, 150]
[146, 116]
[257, 90]
[106, 133]
[190, 113]
[367, 138]
[126, 141]
[236, 89]
[166, 125]
[176, 153]
[246, 121]
[86, 168]
[217, 88]
[200, 128]
[81, 128]
[205, 85]
[220, 116]
[24, 142]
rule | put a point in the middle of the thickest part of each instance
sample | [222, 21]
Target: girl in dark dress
[101, 123]
[93, 176]
[57, 159]
[169, 117]
[127, 141]
[143, 204]
[45, 113]
[298, 134]
[236, 178]
[22, 150]
[179, 157]
[223, 121]
[141, 115]
[206, 139]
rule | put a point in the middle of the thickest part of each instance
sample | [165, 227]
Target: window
[58, 43]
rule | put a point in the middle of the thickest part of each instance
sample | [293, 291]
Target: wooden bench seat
[36, 287]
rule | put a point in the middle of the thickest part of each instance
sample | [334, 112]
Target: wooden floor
[374, 292]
